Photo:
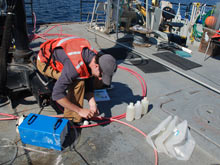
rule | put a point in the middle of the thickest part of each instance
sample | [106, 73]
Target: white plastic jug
[130, 112]
[138, 110]
[145, 104]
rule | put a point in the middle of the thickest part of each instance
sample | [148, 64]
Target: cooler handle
[32, 119]
[57, 124]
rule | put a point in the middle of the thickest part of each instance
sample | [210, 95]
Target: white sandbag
[172, 138]
[180, 144]
[157, 131]
[159, 141]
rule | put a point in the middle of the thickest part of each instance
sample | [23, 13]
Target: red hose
[11, 117]
[139, 77]
[138, 130]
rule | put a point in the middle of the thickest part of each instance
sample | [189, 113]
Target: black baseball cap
[108, 67]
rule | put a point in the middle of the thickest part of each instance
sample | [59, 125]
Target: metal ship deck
[186, 87]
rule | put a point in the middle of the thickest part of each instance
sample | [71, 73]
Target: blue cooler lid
[44, 123]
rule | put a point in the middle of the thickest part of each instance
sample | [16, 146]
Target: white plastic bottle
[130, 112]
[145, 104]
[86, 122]
[138, 110]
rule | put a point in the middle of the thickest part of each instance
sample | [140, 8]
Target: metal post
[21, 37]
[93, 13]
[21, 27]
[147, 15]
[118, 7]
[108, 15]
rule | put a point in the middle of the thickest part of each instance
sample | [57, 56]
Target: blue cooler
[43, 131]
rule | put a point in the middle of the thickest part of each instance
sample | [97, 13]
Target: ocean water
[47, 11]
[211, 2]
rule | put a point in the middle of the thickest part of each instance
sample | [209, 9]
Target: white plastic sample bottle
[145, 104]
[86, 122]
[138, 110]
[130, 112]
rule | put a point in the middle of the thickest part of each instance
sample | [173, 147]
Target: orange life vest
[73, 47]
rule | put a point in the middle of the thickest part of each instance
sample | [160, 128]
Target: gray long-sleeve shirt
[69, 73]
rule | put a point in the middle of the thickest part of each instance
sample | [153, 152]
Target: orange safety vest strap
[50, 57]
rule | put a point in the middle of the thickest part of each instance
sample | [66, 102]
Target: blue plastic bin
[43, 131]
